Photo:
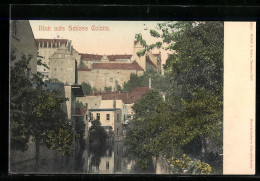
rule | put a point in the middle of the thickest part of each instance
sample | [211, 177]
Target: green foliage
[97, 134]
[79, 105]
[188, 166]
[154, 33]
[158, 81]
[193, 88]
[39, 62]
[80, 131]
[108, 89]
[140, 137]
[119, 88]
[35, 112]
[141, 52]
[59, 139]
[54, 80]
[87, 89]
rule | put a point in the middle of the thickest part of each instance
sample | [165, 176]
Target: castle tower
[63, 66]
[140, 60]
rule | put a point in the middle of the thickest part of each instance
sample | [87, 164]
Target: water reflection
[109, 159]
[94, 159]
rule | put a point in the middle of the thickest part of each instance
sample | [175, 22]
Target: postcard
[132, 97]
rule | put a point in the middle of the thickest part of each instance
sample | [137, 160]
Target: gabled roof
[124, 66]
[127, 97]
[97, 57]
[82, 111]
[114, 57]
[90, 56]
[62, 53]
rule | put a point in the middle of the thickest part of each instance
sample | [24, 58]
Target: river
[103, 159]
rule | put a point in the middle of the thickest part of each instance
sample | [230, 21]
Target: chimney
[150, 83]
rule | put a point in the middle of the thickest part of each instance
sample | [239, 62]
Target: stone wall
[100, 78]
[63, 70]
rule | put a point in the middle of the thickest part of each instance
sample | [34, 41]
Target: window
[108, 117]
[86, 117]
[98, 116]
[111, 79]
[55, 69]
[107, 165]
[44, 69]
[117, 117]
[124, 117]
[116, 131]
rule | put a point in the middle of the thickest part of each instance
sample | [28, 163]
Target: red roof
[90, 56]
[53, 41]
[85, 56]
[84, 69]
[114, 57]
[149, 61]
[128, 66]
[82, 111]
[127, 97]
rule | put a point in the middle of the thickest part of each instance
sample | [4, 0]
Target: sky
[119, 39]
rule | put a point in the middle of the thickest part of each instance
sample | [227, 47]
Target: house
[128, 98]
[22, 42]
[113, 109]
[110, 113]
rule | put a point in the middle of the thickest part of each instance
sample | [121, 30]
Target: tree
[108, 89]
[36, 112]
[97, 134]
[80, 105]
[193, 107]
[87, 89]
[158, 81]
[140, 135]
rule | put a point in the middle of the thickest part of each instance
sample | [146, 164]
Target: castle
[100, 71]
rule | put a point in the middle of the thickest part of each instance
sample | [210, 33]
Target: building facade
[63, 66]
[102, 71]
[22, 42]
[47, 47]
